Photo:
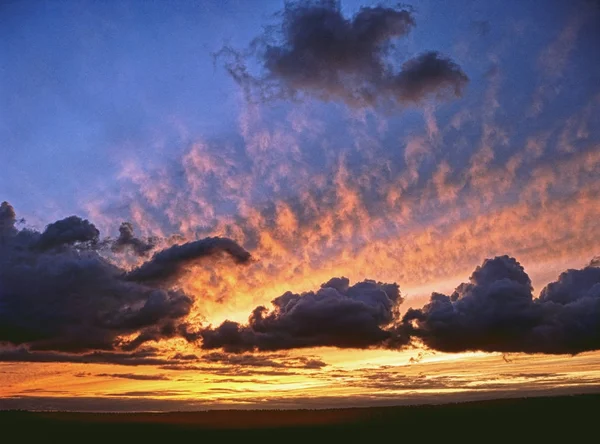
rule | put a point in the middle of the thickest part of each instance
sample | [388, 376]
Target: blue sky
[87, 84]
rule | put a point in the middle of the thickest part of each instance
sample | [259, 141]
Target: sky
[233, 204]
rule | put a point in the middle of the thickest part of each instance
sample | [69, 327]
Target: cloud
[321, 53]
[337, 315]
[428, 74]
[127, 240]
[150, 393]
[236, 370]
[58, 293]
[130, 403]
[68, 231]
[168, 265]
[493, 312]
[274, 361]
[496, 311]
[135, 376]
[595, 262]
[8, 219]
[140, 357]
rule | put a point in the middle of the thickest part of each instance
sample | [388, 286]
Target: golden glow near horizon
[358, 380]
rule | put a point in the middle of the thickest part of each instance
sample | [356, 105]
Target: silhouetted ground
[516, 420]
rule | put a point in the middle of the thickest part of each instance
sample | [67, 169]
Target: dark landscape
[545, 417]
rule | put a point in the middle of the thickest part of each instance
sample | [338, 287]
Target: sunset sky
[259, 203]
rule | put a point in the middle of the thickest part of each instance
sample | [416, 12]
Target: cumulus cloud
[493, 312]
[336, 315]
[68, 231]
[58, 293]
[320, 52]
[496, 311]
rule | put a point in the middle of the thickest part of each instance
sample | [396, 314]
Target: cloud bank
[317, 51]
[337, 315]
[58, 293]
[495, 312]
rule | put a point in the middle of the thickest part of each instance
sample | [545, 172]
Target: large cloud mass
[495, 311]
[321, 53]
[336, 315]
[57, 292]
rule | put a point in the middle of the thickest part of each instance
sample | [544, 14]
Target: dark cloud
[168, 265]
[185, 357]
[8, 219]
[141, 357]
[127, 404]
[134, 376]
[57, 292]
[155, 333]
[127, 240]
[150, 393]
[253, 360]
[317, 51]
[336, 315]
[68, 231]
[385, 378]
[233, 370]
[496, 311]
[595, 262]
[427, 75]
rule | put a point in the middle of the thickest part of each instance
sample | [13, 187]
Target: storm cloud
[58, 293]
[319, 52]
[337, 315]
